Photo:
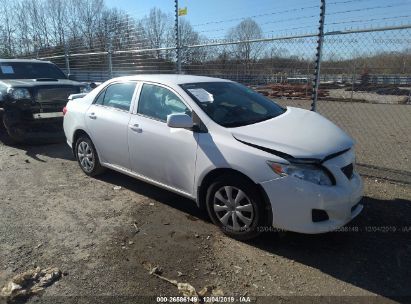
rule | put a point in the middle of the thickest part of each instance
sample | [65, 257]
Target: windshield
[29, 70]
[231, 104]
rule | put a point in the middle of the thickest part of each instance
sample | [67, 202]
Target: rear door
[107, 121]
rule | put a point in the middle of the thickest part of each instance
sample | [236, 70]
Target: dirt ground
[368, 96]
[51, 214]
[382, 133]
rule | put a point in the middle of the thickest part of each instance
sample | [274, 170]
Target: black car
[33, 94]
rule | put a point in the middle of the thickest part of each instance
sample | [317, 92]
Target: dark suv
[32, 96]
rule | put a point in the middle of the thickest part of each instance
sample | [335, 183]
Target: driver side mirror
[180, 120]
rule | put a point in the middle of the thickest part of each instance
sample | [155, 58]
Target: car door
[107, 122]
[158, 152]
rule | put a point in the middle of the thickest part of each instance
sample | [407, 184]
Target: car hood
[28, 83]
[297, 133]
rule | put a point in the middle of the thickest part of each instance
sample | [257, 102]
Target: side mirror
[182, 121]
[71, 77]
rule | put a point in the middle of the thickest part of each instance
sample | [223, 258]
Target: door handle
[92, 116]
[136, 128]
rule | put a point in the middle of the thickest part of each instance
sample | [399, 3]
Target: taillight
[64, 111]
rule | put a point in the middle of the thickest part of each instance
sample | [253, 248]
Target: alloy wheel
[85, 156]
[233, 208]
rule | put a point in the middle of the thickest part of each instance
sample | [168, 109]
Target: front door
[158, 152]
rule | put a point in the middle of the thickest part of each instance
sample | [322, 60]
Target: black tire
[1, 120]
[252, 196]
[12, 133]
[5, 138]
[84, 146]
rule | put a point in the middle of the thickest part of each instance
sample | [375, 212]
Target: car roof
[23, 60]
[172, 79]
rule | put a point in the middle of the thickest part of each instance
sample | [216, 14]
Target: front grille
[348, 170]
[54, 94]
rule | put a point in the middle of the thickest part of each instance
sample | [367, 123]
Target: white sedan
[252, 164]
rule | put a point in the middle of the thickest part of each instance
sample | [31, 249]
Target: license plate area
[47, 115]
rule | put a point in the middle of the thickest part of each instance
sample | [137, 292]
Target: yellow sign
[182, 11]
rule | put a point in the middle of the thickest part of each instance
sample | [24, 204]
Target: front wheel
[235, 205]
[13, 131]
[87, 157]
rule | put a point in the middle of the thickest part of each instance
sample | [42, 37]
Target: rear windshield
[29, 70]
[231, 104]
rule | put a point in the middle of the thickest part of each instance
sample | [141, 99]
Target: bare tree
[38, 22]
[89, 13]
[155, 27]
[23, 38]
[58, 19]
[190, 37]
[247, 52]
[73, 19]
[119, 29]
[7, 27]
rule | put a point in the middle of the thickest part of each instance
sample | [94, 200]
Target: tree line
[29, 26]
[40, 28]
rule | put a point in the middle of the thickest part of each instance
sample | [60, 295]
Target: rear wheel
[87, 157]
[235, 205]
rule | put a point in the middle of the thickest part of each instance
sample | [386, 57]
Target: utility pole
[66, 57]
[110, 56]
[320, 41]
[177, 33]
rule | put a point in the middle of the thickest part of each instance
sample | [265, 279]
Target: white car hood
[298, 133]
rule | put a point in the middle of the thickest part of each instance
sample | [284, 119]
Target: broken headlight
[19, 93]
[308, 172]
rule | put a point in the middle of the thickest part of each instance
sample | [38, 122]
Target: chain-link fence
[364, 80]
[367, 93]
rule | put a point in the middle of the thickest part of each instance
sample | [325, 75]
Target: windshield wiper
[46, 79]
[233, 124]
[247, 122]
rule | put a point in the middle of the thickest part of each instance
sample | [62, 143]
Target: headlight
[307, 172]
[19, 93]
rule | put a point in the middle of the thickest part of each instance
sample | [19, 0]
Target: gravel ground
[51, 214]
[367, 96]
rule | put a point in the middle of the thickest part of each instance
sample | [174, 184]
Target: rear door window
[117, 95]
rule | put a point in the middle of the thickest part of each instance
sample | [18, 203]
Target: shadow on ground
[163, 196]
[373, 252]
[367, 253]
[58, 150]
[35, 148]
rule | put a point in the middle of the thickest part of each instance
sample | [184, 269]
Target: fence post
[320, 41]
[177, 32]
[353, 80]
[308, 79]
[66, 56]
[109, 54]
[36, 48]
